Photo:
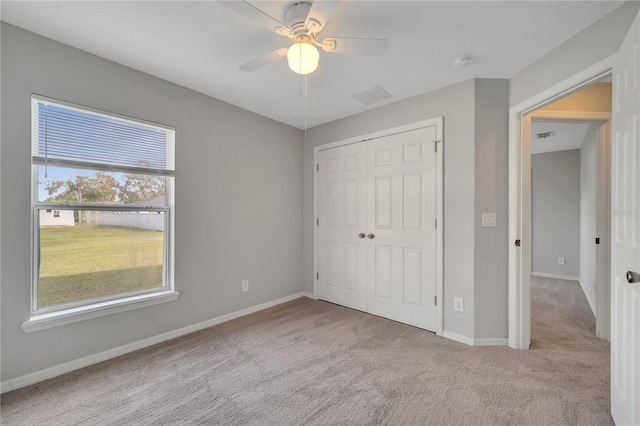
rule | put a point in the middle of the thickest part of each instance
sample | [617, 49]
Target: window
[109, 182]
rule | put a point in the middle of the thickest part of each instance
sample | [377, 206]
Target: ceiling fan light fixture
[303, 57]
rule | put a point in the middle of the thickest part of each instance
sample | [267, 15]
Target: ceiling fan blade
[248, 10]
[264, 60]
[358, 46]
[319, 14]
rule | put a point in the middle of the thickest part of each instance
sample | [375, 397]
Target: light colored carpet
[310, 362]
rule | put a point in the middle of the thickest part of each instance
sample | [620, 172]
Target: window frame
[41, 318]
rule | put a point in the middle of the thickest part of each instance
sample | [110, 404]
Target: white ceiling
[200, 45]
[567, 136]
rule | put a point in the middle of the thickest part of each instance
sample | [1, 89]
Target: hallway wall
[555, 213]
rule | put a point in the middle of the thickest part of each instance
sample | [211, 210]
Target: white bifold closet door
[342, 201]
[377, 230]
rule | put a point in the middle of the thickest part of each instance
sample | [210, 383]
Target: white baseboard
[559, 277]
[309, 295]
[498, 341]
[51, 372]
[457, 337]
[592, 305]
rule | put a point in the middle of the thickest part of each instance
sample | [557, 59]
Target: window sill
[82, 313]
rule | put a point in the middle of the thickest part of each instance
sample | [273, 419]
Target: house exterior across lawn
[56, 218]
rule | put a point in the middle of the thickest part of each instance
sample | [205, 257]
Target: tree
[104, 188]
[140, 187]
[100, 189]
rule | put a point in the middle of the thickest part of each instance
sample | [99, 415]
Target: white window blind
[64, 135]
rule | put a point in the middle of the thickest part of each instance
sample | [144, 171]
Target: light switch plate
[488, 220]
[458, 304]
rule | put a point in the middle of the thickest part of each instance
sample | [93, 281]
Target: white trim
[457, 337]
[603, 228]
[569, 116]
[558, 277]
[565, 87]
[379, 134]
[519, 222]
[591, 304]
[492, 341]
[309, 295]
[51, 372]
[439, 123]
[85, 312]
[440, 231]
[315, 224]
[496, 341]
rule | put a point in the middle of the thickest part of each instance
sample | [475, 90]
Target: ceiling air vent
[370, 96]
[545, 135]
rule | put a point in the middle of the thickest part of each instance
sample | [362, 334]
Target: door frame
[519, 336]
[438, 122]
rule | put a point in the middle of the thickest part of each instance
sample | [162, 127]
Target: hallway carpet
[309, 362]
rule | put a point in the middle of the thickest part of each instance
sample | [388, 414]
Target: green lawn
[88, 261]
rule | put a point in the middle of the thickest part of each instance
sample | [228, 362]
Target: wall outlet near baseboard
[561, 261]
[245, 285]
[458, 304]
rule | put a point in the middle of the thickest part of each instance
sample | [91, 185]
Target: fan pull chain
[304, 92]
[300, 67]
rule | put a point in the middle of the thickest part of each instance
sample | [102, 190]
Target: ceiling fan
[304, 22]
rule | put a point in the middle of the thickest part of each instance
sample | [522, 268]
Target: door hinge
[317, 167]
[435, 300]
[317, 221]
[597, 240]
[436, 223]
[317, 275]
[517, 243]
[435, 146]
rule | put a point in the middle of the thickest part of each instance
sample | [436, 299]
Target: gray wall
[491, 196]
[588, 47]
[467, 193]
[589, 159]
[238, 197]
[555, 212]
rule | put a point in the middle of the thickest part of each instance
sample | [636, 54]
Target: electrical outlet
[561, 261]
[458, 304]
[245, 285]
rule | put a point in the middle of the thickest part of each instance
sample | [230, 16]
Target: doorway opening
[570, 146]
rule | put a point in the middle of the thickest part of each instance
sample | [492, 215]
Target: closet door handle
[371, 236]
[361, 235]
